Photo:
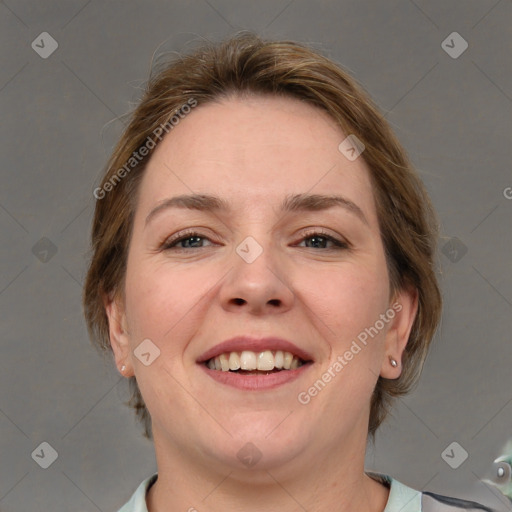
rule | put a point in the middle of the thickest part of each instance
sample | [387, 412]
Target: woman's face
[314, 276]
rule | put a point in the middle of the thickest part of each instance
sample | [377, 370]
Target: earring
[123, 368]
[393, 362]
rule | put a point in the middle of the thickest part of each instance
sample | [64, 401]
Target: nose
[258, 282]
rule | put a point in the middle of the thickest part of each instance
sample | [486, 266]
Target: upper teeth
[247, 360]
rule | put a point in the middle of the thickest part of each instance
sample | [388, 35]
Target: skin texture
[253, 152]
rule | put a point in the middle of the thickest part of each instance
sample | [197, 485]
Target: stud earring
[123, 368]
[393, 362]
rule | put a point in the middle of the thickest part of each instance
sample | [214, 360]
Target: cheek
[347, 305]
[347, 300]
[160, 298]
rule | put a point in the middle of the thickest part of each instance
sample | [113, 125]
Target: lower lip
[255, 382]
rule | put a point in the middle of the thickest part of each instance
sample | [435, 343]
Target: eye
[319, 238]
[195, 240]
[192, 239]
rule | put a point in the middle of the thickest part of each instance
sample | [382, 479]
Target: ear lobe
[397, 336]
[119, 338]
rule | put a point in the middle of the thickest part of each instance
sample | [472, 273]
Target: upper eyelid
[198, 232]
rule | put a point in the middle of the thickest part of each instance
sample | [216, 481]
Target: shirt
[401, 498]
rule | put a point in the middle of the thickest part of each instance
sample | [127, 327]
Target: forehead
[253, 151]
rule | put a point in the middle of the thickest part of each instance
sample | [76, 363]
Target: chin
[257, 443]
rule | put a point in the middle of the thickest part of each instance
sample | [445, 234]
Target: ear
[118, 331]
[405, 306]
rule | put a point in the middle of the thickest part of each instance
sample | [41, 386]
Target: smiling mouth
[255, 363]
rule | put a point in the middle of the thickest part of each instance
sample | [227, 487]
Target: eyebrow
[291, 203]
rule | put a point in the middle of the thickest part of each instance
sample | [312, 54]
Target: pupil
[196, 238]
[317, 238]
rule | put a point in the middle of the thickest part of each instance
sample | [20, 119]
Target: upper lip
[241, 343]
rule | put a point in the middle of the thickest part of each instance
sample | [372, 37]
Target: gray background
[59, 123]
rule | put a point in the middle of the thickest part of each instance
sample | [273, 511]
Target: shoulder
[403, 498]
[137, 502]
[432, 502]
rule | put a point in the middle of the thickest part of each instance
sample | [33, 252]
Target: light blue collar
[401, 497]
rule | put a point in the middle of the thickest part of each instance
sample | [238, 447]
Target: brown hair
[246, 64]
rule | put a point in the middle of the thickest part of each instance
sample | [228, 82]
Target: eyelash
[171, 244]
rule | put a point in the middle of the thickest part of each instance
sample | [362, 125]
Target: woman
[263, 272]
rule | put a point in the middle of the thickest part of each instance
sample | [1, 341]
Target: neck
[315, 481]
